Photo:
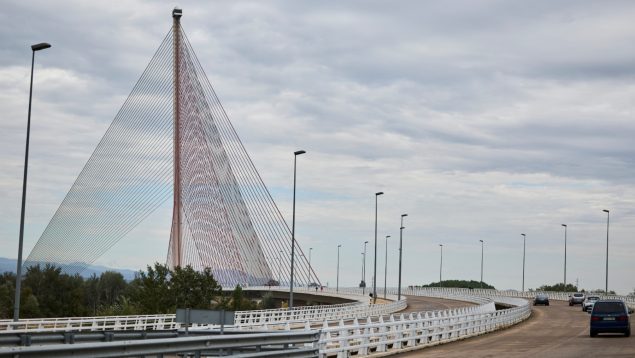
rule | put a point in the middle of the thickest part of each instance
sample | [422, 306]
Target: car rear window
[578, 295]
[608, 307]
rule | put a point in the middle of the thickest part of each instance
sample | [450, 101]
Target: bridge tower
[175, 234]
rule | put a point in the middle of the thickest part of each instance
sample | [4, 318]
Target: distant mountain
[10, 264]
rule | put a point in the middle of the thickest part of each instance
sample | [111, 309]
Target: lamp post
[565, 257]
[606, 287]
[295, 159]
[310, 269]
[337, 287]
[364, 269]
[18, 276]
[400, 254]
[280, 268]
[524, 237]
[482, 244]
[386, 267]
[441, 266]
[375, 263]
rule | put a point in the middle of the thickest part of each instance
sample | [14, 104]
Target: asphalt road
[554, 331]
[419, 304]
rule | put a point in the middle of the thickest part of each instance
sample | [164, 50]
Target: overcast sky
[480, 119]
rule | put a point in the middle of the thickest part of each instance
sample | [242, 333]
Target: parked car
[541, 299]
[588, 302]
[610, 316]
[576, 299]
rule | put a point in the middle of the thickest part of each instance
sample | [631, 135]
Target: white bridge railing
[360, 307]
[421, 329]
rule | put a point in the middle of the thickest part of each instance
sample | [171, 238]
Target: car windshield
[608, 307]
[578, 295]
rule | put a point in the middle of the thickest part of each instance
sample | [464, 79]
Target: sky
[481, 120]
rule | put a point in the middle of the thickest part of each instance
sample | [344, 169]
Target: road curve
[554, 331]
[421, 303]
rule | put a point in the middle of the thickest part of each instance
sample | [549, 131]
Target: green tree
[152, 290]
[7, 292]
[459, 284]
[111, 285]
[558, 287]
[267, 301]
[91, 294]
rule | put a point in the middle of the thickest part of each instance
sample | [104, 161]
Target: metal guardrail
[278, 344]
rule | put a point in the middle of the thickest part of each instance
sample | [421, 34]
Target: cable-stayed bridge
[172, 139]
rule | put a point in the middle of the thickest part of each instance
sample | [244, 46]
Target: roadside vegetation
[49, 292]
[459, 284]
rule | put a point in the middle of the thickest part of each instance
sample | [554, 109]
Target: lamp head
[402, 215]
[299, 152]
[523, 235]
[40, 46]
[606, 211]
[387, 236]
[565, 225]
[379, 193]
[481, 240]
[401, 228]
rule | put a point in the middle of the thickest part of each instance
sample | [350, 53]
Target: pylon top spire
[177, 13]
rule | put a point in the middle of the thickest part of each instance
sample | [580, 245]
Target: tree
[111, 285]
[7, 292]
[558, 287]
[267, 301]
[152, 290]
[459, 284]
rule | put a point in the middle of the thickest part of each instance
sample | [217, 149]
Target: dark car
[610, 316]
[576, 299]
[541, 299]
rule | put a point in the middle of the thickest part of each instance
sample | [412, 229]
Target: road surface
[554, 331]
[420, 304]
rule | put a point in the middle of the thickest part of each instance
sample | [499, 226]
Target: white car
[588, 303]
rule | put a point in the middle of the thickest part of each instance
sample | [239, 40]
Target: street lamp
[337, 287]
[400, 254]
[364, 270]
[386, 267]
[375, 263]
[310, 269]
[441, 265]
[565, 257]
[18, 276]
[295, 159]
[482, 244]
[524, 237]
[606, 287]
[280, 268]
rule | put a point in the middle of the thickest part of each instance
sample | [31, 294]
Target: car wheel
[627, 333]
[547, 304]
[593, 333]
[570, 304]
